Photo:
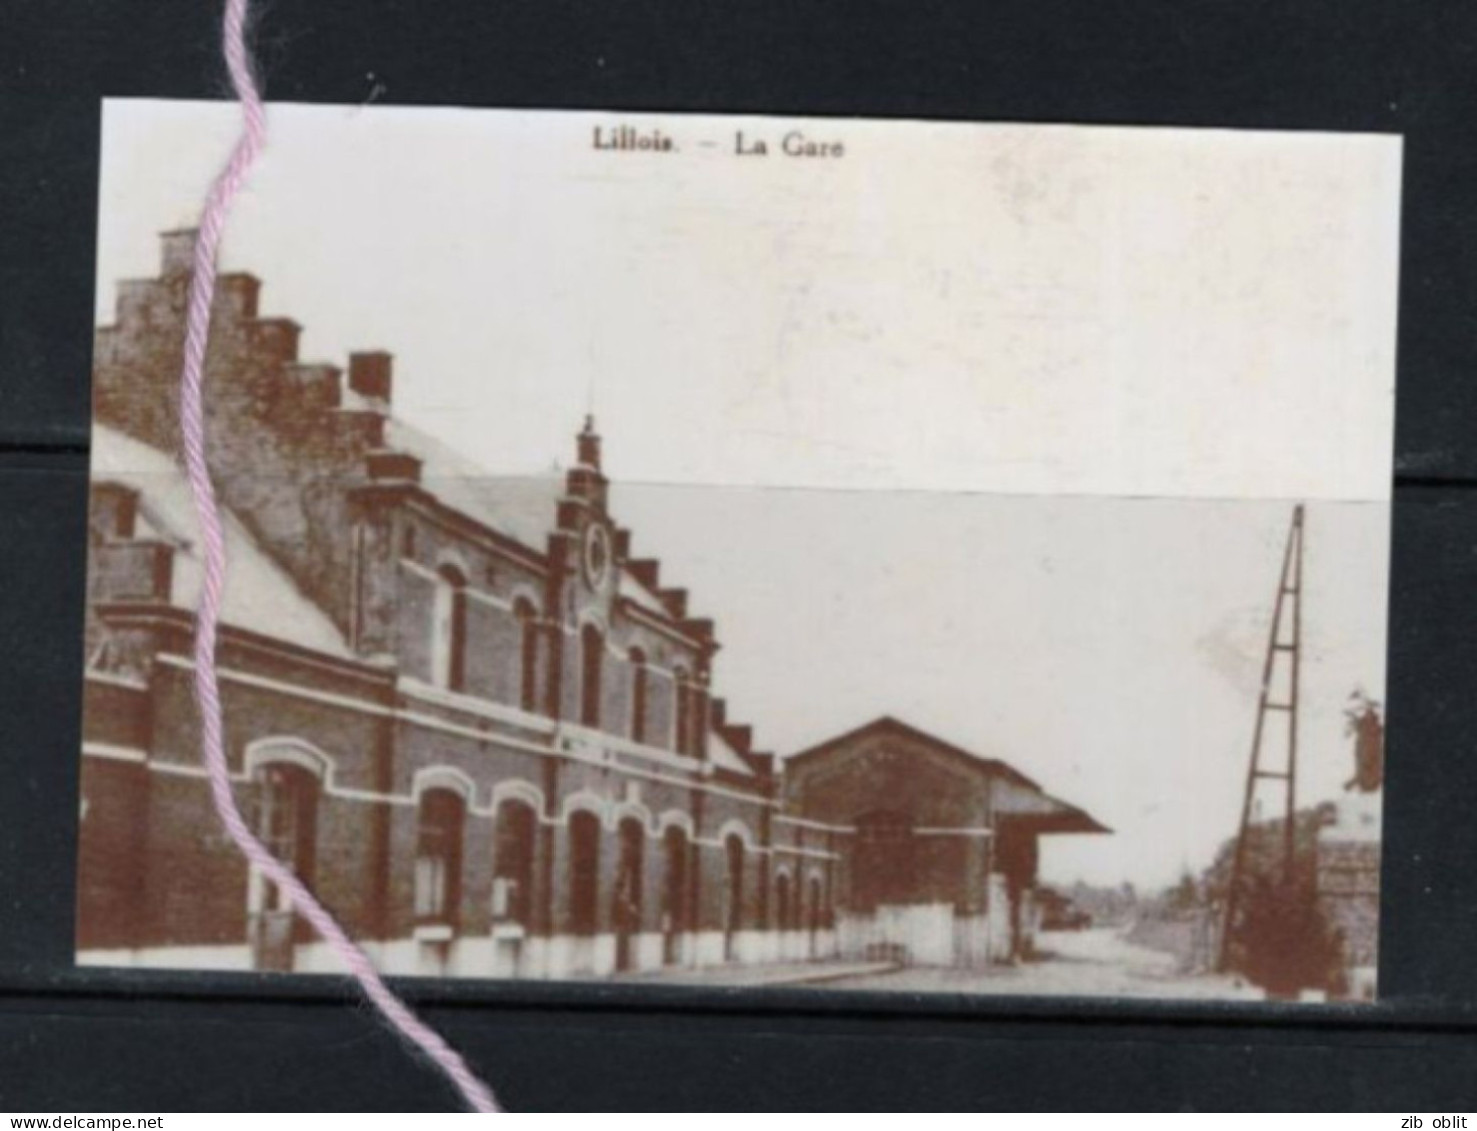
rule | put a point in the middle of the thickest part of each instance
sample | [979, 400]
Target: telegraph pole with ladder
[1284, 654]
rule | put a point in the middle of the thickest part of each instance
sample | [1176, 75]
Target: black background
[73, 1040]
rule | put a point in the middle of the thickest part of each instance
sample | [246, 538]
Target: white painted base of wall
[559, 957]
[921, 934]
[232, 957]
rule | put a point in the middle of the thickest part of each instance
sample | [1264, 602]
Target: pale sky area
[968, 343]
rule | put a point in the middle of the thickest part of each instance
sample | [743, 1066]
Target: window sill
[434, 932]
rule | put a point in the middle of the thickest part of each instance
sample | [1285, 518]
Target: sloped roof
[1044, 812]
[723, 755]
[259, 594]
[521, 507]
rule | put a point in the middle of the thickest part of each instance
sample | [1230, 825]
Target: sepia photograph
[751, 552]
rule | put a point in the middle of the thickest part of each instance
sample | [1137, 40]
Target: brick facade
[483, 729]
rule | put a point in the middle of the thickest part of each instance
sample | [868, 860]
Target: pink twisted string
[207, 689]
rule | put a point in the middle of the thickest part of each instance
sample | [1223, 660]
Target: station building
[478, 725]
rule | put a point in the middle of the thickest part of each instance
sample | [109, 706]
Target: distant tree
[1363, 722]
[1284, 941]
[1185, 895]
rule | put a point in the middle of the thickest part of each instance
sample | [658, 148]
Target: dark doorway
[733, 905]
[815, 917]
[626, 896]
[674, 894]
[584, 872]
[512, 868]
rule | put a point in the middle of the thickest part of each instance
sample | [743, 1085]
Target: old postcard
[752, 552]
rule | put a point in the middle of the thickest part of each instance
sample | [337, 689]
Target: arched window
[674, 891]
[449, 630]
[638, 695]
[626, 896]
[584, 872]
[782, 909]
[512, 870]
[438, 855]
[733, 909]
[287, 822]
[528, 653]
[682, 710]
[592, 660]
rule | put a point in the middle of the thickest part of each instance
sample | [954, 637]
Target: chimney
[388, 464]
[177, 253]
[370, 374]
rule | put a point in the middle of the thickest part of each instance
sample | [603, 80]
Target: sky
[996, 428]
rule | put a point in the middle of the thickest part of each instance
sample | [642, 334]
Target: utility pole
[1284, 653]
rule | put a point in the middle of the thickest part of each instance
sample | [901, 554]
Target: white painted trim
[676, 818]
[348, 793]
[413, 688]
[623, 809]
[430, 722]
[807, 823]
[444, 777]
[357, 541]
[589, 802]
[116, 680]
[449, 556]
[335, 665]
[589, 615]
[522, 591]
[808, 853]
[263, 683]
[470, 591]
[516, 789]
[232, 676]
[185, 770]
[965, 831]
[656, 622]
[535, 561]
[737, 828]
[482, 597]
[112, 753]
[623, 745]
[292, 750]
[248, 639]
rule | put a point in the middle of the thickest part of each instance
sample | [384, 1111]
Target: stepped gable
[288, 439]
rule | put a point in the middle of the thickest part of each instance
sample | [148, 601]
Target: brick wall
[300, 459]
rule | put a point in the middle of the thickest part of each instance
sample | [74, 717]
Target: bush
[1284, 941]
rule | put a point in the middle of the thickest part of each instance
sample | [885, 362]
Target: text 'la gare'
[794, 143]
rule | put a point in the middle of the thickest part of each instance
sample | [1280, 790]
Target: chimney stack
[177, 252]
[370, 374]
